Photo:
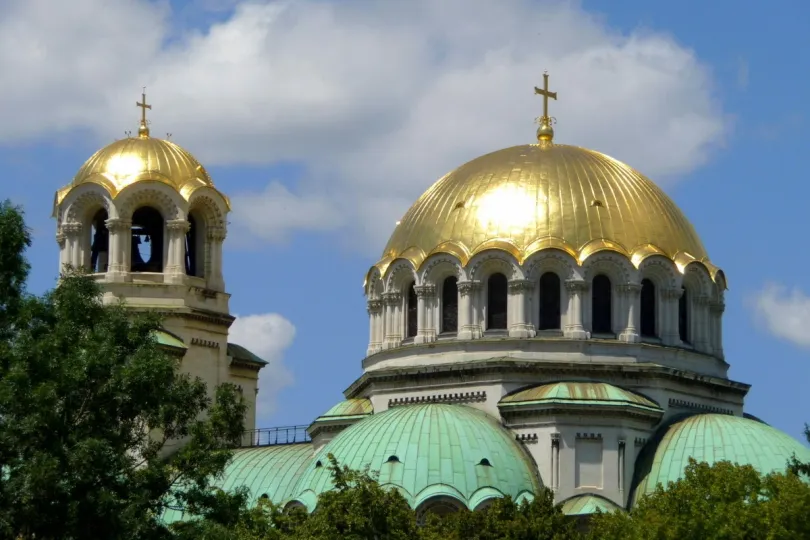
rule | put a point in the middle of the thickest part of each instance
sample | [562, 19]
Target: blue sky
[339, 117]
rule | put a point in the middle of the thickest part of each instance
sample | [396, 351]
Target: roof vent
[485, 462]
[318, 464]
[597, 203]
[392, 459]
[264, 496]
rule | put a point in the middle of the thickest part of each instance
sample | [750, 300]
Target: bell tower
[143, 216]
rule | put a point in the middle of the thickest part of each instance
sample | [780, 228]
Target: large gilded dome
[527, 198]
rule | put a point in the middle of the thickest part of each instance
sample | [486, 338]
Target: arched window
[601, 308]
[147, 241]
[647, 308]
[683, 316]
[496, 302]
[549, 301]
[450, 304]
[99, 243]
[411, 306]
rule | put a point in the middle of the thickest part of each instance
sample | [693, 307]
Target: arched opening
[439, 506]
[647, 308]
[601, 307]
[683, 316]
[450, 305]
[549, 301]
[147, 240]
[496, 302]
[99, 242]
[195, 248]
[411, 306]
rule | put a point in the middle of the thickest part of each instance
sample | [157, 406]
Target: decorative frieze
[683, 404]
[589, 435]
[205, 343]
[527, 438]
[458, 397]
[640, 441]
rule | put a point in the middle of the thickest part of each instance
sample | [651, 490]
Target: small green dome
[712, 438]
[588, 503]
[270, 470]
[425, 451]
[349, 407]
[587, 393]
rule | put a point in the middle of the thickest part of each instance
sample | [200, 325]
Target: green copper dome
[426, 451]
[712, 438]
[588, 503]
[349, 407]
[578, 393]
[270, 470]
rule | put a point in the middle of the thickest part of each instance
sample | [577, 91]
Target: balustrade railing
[275, 436]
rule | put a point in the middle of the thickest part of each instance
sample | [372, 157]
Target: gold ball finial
[545, 133]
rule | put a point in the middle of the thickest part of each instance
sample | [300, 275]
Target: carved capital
[520, 285]
[631, 289]
[374, 306]
[576, 285]
[392, 298]
[555, 439]
[60, 239]
[115, 225]
[180, 225]
[72, 229]
[425, 291]
[465, 288]
[216, 234]
[672, 293]
[717, 307]
[702, 300]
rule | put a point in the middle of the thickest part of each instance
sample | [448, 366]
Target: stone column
[467, 328]
[73, 246]
[120, 232]
[519, 290]
[632, 294]
[393, 335]
[176, 265]
[555, 462]
[669, 316]
[214, 238]
[374, 319]
[576, 290]
[425, 331]
[621, 465]
[717, 309]
[61, 240]
[702, 325]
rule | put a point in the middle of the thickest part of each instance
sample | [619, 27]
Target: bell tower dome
[143, 216]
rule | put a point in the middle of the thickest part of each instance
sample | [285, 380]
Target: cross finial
[143, 129]
[545, 133]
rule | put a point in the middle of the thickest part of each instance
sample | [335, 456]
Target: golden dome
[135, 159]
[527, 198]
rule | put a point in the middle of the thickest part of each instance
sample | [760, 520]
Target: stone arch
[551, 260]
[374, 284]
[84, 201]
[440, 499]
[153, 194]
[616, 266]
[439, 266]
[399, 274]
[482, 265]
[483, 497]
[697, 275]
[210, 205]
[661, 271]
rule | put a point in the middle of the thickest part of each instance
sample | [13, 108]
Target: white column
[120, 232]
[670, 334]
[702, 325]
[519, 290]
[175, 265]
[72, 232]
[555, 462]
[467, 329]
[215, 237]
[425, 331]
[632, 293]
[374, 334]
[61, 240]
[576, 290]
[717, 309]
[392, 302]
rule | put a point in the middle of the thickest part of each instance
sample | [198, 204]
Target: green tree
[88, 403]
[723, 501]
[358, 509]
[504, 519]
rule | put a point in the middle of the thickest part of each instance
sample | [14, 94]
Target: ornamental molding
[427, 290]
[589, 436]
[521, 285]
[631, 289]
[216, 234]
[457, 397]
[466, 288]
[550, 261]
[526, 438]
[576, 285]
[374, 306]
[178, 225]
[672, 293]
[205, 343]
[717, 307]
[72, 228]
[640, 441]
[115, 225]
[392, 298]
[683, 404]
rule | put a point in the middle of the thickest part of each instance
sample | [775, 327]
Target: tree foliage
[713, 502]
[88, 406]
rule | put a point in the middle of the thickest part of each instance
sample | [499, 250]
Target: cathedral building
[543, 315]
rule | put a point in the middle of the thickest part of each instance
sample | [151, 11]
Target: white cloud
[785, 313]
[267, 335]
[375, 99]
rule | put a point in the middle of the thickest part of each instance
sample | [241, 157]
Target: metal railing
[275, 436]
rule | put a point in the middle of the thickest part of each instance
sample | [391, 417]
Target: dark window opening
[683, 316]
[601, 308]
[100, 243]
[318, 464]
[147, 241]
[496, 302]
[485, 462]
[392, 459]
[411, 309]
[450, 305]
[647, 308]
[549, 301]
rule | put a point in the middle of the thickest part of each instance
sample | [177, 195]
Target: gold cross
[143, 105]
[545, 93]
